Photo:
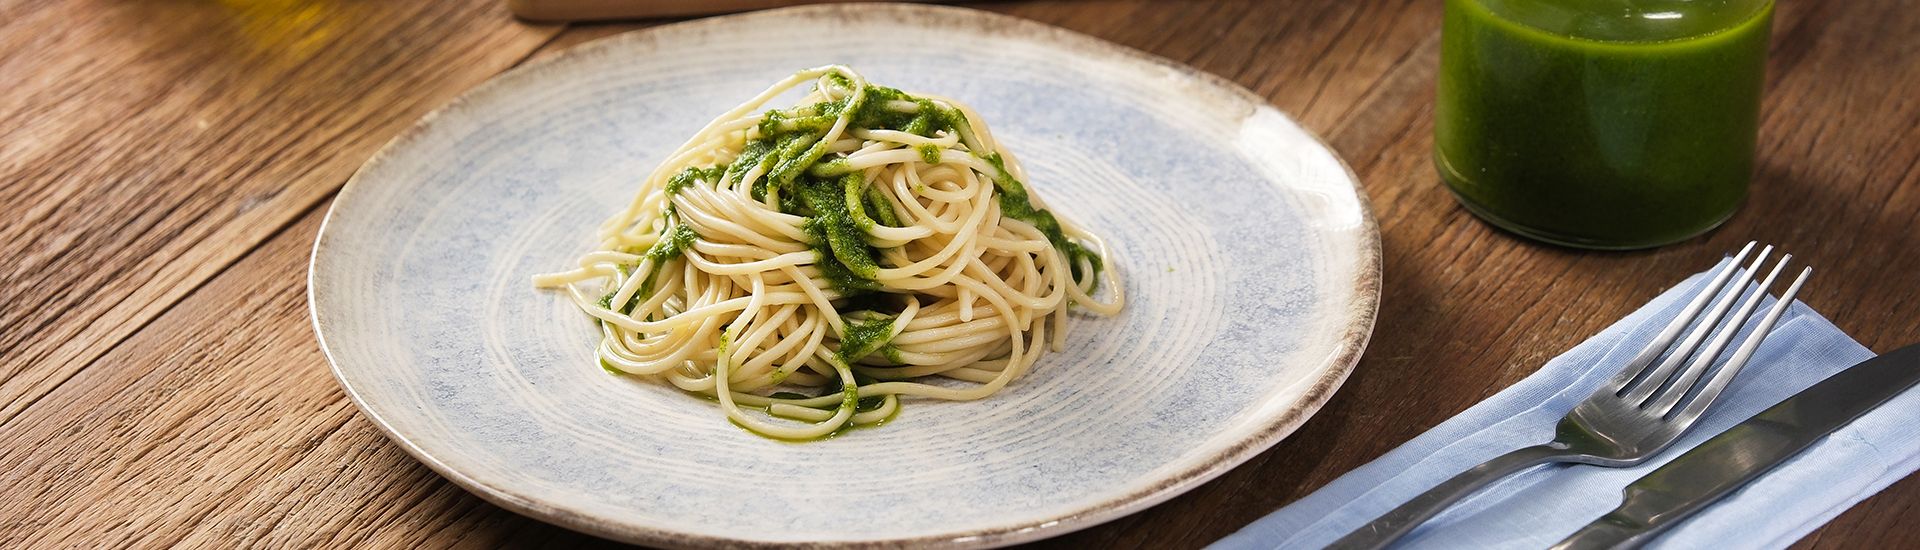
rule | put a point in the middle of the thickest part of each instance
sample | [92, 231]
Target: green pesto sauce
[604, 365]
[849, 396]
[876, 110]
[778, 123]
[673, 242]
[850, 400]
[863, 338]
[848, 427]
[882, 210]
[756, 153]
[840, 208]
[838, 236]
[830, 169]
[837, 274]
[855, 194]
[799, 151]
[1015, 204]
[692, 174]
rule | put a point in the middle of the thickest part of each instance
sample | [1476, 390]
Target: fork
[1636, 414]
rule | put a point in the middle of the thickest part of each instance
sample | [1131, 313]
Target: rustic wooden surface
[164, 167]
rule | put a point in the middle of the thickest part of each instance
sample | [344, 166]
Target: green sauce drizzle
[673, 242]
[844, 253]
[840, 207]
[689, 176]
[1015, 204]
[864, 337]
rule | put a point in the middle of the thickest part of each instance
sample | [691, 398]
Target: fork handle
[1392, 525]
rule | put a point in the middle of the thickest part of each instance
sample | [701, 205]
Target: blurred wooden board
[165, 165]
[599, 10]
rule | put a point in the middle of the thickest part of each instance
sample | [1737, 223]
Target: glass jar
[1611, 124]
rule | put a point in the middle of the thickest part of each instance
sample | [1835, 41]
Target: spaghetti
[820, 261]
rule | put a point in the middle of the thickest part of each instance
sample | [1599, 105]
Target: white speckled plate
[1251, 263]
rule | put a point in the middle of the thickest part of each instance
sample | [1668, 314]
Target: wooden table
[166, 164]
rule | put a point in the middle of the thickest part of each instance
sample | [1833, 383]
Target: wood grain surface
[165, 166]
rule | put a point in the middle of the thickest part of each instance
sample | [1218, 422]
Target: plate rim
[1356, 331]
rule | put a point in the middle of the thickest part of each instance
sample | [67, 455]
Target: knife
[1744, 452]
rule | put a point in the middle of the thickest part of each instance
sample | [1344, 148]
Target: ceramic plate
[1251, 265]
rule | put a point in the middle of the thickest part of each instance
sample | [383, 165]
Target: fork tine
[1638, 394]
[1638, 365]
[1720, 380]
[1664, 402]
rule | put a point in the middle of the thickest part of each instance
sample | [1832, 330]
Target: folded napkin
[1537, 508]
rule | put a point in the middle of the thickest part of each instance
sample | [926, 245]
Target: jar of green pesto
[1610, 124]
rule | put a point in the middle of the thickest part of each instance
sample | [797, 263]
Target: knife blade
[1681, 488]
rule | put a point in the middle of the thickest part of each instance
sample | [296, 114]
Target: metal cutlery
[1717, 467]
[1639, 412]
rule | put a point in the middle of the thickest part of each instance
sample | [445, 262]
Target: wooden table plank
[236, 435]
[153, 143]
[215, 423]
[185, 413]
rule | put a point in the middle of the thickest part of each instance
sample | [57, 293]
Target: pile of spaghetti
[816, 263]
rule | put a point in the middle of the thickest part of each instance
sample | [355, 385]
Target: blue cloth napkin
[1537, 508]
